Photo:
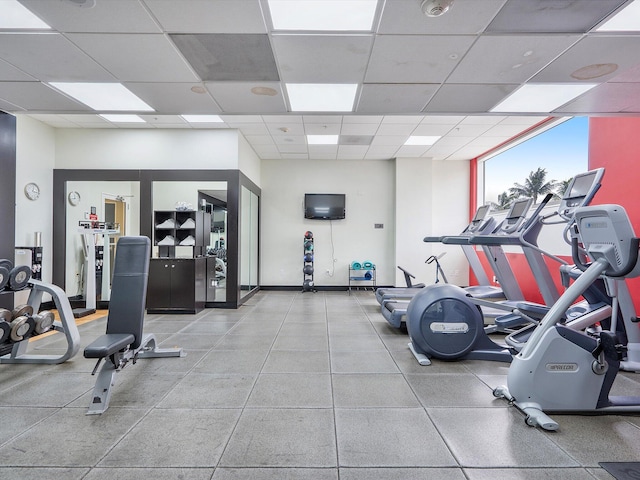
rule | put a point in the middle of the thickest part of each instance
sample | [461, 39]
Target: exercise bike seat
[108, 344]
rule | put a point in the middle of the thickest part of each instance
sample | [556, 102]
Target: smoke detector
[435, 8]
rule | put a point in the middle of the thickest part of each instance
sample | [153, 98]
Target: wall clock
[74, 198]
[32, 191]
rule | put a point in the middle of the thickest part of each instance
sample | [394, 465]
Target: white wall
[248, 162]
[370, 198]
[146, 149]
[432, 200]
[35, 158]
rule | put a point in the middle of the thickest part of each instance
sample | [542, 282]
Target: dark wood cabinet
[176, 285]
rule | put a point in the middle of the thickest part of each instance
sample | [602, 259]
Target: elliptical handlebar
[634, 247]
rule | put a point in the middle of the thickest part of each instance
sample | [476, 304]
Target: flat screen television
[324, 206]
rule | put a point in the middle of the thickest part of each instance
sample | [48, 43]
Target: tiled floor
[292, 385]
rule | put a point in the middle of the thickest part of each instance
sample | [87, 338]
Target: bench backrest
[129, 287]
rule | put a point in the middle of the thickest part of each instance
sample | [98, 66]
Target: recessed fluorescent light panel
[322, 139]
[202, 118]
[422, 139]
[321, 97]
[627, 20]
[103, 96]
[323, 15]
[541, 98]
[122, 118]
[16, 16]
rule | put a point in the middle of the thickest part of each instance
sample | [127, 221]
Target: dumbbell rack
[308, 284]
[16, 352]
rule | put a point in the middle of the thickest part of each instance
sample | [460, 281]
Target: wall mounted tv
[324, 206]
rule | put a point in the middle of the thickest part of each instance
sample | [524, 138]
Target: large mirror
[111, 209]
[249, 221]
[210, 197]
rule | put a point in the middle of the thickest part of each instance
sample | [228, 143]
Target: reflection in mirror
[210, 197]
[117, 211]
[249, 208]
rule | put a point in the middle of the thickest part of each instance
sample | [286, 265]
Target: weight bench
[124, 340]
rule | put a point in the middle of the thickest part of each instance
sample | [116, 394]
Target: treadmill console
[580, 192]
[479, 219]
[515, 216]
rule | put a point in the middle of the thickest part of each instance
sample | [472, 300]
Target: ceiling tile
[412, 150]
[238, 97]
[371, 119]
[355, 152]
[286, 129]
[432, 129]
[141, 58]
[607, 98]
[38, 98]
[174, 98]
[229, 57]
[467, 98]
[389, 140]
[105, 16]
[442, 119]
[592, 50]
[394, 98]
[290, 139]
[359, 129]
[404, 17]
[322, 129]
[259, 139]
[396, 129]
[209, 16]
[9, 73]
[355, 139]
[322, 58]
[281, 119]
[252, 128]
[414, 58]
[238, 119]
[543, 16]
[50, 57]
[512, 61]
[164, 120]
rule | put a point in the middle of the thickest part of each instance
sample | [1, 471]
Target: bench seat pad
[108, 344]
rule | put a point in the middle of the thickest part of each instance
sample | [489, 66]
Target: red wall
[614, 143]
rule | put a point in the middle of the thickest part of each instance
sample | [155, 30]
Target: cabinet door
[182, 283]
[159, 288]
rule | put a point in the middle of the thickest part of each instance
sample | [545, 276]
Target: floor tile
[281, 438]
[496, 437]
[362, 362]
[69, 438]
[44, 390]
[366, 390]
[275, 474]
[289, 361]
[528, 474]
[230, 361]
[301, 342]
[181, 473]
[15, 420]
[443, 390]
[391, 437]
[401, 474]
[36, 473]
[204, 390]
[302, 390]
[355, 343]
[175, 438]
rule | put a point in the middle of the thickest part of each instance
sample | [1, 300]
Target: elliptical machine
[569, 371]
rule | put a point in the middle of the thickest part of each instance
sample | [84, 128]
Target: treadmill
[481, 223]
[394, 309]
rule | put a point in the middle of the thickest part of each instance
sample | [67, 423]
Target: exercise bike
[569, 371]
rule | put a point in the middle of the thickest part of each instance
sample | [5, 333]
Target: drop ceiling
[415, 75]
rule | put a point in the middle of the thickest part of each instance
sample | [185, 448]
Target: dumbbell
[22, 324]
[19, 277]
[5, 268]
[43, 321]
[5, 324]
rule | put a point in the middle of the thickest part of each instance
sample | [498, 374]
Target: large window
[561, 151]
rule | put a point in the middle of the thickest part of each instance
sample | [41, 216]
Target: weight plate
[44, 320]
[19, 328]
[8, 264]
[4, 277]
[5, 331]
[19, 277]
[22, 311]
[5, 315]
